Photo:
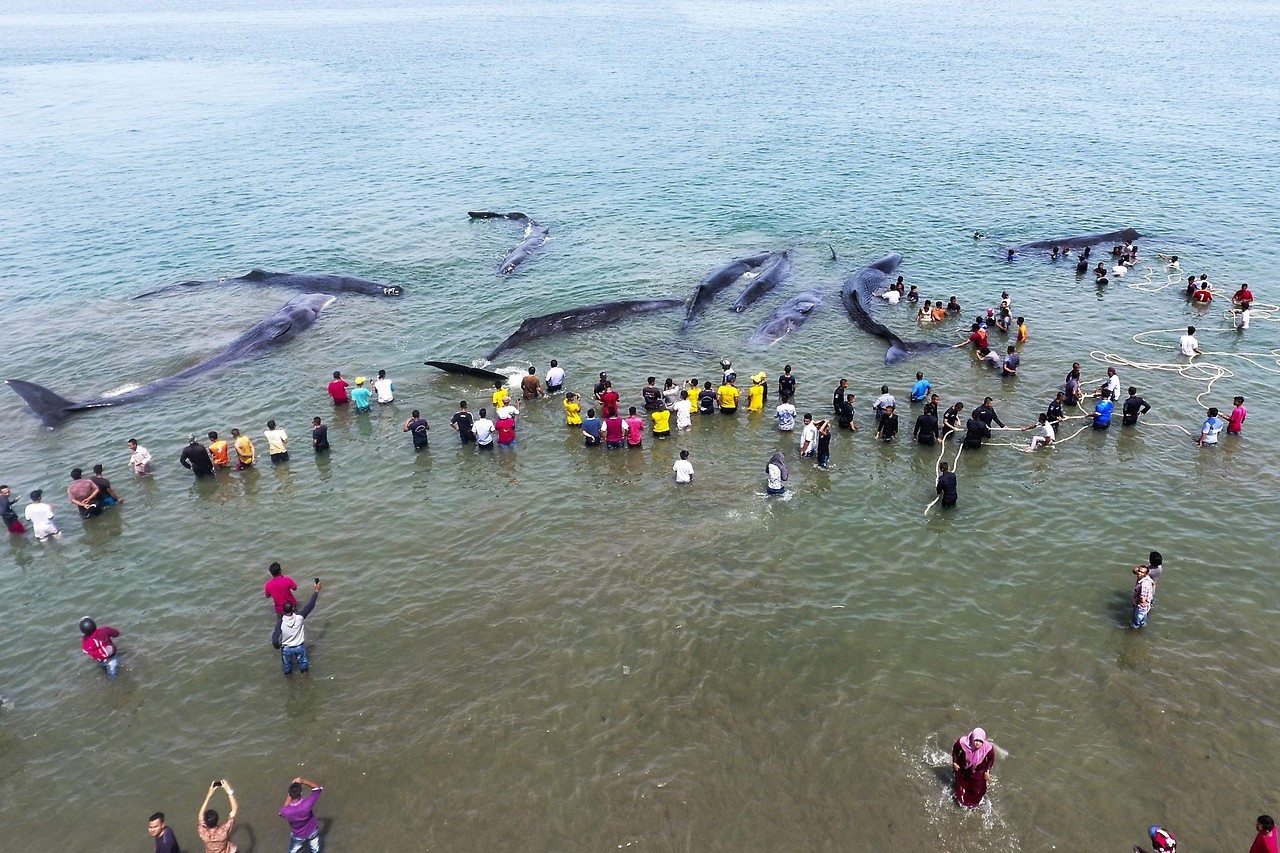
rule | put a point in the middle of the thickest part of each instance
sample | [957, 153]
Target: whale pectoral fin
[49, 406]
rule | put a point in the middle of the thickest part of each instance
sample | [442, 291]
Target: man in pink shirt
[338, 389]
[1235, 423]
[635, 429]
[280, 590]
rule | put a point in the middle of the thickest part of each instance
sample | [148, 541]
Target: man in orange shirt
[218, 450]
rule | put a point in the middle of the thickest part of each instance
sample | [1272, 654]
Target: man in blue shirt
[920, 390]
[1011, 362]
[1101, 413]
[591, 429]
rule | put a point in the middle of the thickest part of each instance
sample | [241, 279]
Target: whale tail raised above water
[49, 406]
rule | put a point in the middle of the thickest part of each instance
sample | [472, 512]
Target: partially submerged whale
[787, 317]
[296, 316]
[770, 276]
[856, 295]
[467, 370]
[1128, 235]
[717, 280]
[306, 282]
[586, 317]
[534, 236]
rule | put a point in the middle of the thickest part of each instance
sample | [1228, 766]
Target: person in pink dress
[971, 759]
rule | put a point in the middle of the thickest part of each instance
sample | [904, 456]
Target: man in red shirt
[977, 337]
[280, 590]
[609, 401]
[1266, 841]
[97, 644]
[338, 389]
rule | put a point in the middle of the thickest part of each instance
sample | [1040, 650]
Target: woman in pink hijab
[971, 759]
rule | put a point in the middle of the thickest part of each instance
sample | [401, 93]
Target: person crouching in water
[776, 473]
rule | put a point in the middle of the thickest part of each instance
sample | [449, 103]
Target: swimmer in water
[978, 235]
[1054, 254]
[1011, 255]
[1173, 265]
[1082, 265]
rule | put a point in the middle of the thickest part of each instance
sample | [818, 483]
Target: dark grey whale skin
[787, 317]
[856, 295]
[770, 276]
[467, 370]
[1080, 241]
[574, 319]
[306, 282]
[717, 280]
[294, 317]
[534, 236]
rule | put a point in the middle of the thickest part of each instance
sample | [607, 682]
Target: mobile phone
[217, 783]
[317, 580]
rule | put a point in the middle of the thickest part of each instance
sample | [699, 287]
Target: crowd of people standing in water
[672, 406]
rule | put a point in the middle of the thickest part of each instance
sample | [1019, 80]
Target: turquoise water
[559, 650]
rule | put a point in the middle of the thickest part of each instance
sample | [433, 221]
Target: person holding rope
[1072, 385]
[1188, 345]
[1101, 413]
[1235, 421]
[946, 486]
[951, 419]
[975, 430]
[1054, 412]
[1044, 435]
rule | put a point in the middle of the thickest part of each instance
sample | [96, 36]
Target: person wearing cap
[139, 458]
[727, 396]
[1144, 590]
[361, 395]
[600, 386]
[1162, 841]
[246, 453]
[757, 392]
[98, 643]
[40, 514]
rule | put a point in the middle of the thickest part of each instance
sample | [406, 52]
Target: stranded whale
[769, 277]
[787, 317]
[1128, 235]
[306, 282]
[297, 315]
[467, 370]
[717, 280]
[856, 295]
[586, 317]
[534, 236]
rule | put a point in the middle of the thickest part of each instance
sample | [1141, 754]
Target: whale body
[717, 280]
[534, 236]
[770, 276]
[294, 317]
[586, 317]
[306, 282]
[787, 317]
[856, 295]
[1128, 235]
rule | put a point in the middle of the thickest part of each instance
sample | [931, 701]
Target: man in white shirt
[786, 415]
[484, 430]
[808, 436]
[555, 377]
[1110, 388]
[277, 443]
[885, 400]
[683, 467]
[40, 514]
[891, 296]
[1188, 345]
[293, 634]
[139, 458]
[684, 411]
[508, 410]
[383, 388]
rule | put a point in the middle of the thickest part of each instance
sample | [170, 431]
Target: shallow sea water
[559, 650]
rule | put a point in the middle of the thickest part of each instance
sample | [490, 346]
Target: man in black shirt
[786, 385]
[926, 429]
[975, 430]
[652, 395]
[417, 428]
[946, 485]
[888, 424]
[986, 413]
[951, 419]
[842, 390]
[1133, 407]
[319, 436]
[844, 412]
[195, 458]
[462, 423]
[1054, 412]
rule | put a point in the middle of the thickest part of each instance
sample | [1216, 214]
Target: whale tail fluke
[50, 407]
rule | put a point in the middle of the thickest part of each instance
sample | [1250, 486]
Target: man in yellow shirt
[572, 409]
[500, 395]
[244, 450]
[661, 423]
[727, 396]
[755, 394]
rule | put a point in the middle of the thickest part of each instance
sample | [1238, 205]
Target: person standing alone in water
[972, 758]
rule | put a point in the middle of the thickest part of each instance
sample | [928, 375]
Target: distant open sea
[551, 649]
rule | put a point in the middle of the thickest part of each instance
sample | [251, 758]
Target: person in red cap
[1162, 841]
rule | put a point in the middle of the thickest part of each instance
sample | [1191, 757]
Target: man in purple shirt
[165, 840]
[304, 829]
